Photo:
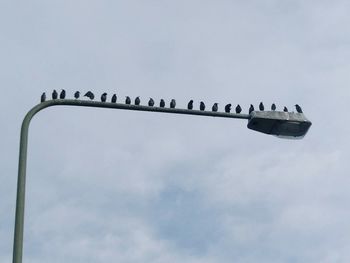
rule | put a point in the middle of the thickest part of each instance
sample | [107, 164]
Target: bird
[114, 98]
[261, 106]
[137, 101]
[215, 107]
[151, 102]
[238, 109]
[228, 108]
[298, 108]
[43, 97]
[251, 108]
[62, 94]
[202, 106]
[162, 103]
[104, 97]
[54, 94]
[285, 109]
[190, 105]
[90, 95]
[172, 104]
[273, 106]
[77, 95]
[127, 100]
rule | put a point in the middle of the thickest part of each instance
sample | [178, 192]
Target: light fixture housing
[288, 125]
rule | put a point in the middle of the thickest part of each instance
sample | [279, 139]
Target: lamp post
[275, 123]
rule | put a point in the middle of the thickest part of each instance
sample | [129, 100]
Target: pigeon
[137, 101]
[261, 106]
[190, 105]
[114, 98]
[151, 102]
[104, 97]
[162, 103]
[172, 104]
[90, 95]
[77, 95]
[238, 109]
[62, 94]
[251, 108]
[215, 107]
[43, 97]
[127, 100]
[228, 108]
[285, 109]
[273, 106]
[202, 106]
[298, 108]
[54, 94]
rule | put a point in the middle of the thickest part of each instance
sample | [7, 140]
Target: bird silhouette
[228, 107]
[251, 108]
[162, 103]
[285, 109]
[238, 109]
[127, 100]
[43, 97]
[151, 102]
[63, 94]
[114, 98]
[215, 107]
[104, 97]
[298, 108]
[172, 104]
[190, 105]
[54, 94]
[202, 106]
[261, 106]
[273, 106]
[77, 95]
[137, 101]
[90, 95]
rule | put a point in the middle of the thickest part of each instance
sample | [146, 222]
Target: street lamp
[288, 125]
[275, 123]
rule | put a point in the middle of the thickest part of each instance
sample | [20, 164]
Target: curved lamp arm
[22, 165]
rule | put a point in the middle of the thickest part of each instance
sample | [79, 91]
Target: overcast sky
[116, 186]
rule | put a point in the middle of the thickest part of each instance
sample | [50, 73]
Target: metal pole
[21, 183]
[22, 165]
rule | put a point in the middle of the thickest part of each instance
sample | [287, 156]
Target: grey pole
[22, 165]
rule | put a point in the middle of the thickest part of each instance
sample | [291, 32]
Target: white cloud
[140, 187]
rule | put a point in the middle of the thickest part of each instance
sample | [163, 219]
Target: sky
[119, 186]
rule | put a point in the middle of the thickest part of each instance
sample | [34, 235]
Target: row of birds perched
[151, 102]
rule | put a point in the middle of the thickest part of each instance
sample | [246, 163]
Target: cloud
[145, 187]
